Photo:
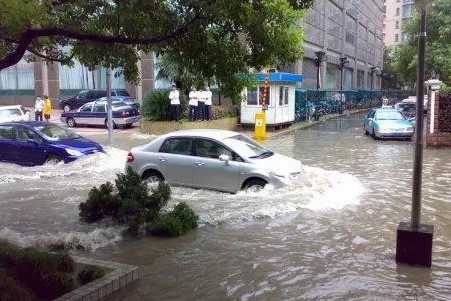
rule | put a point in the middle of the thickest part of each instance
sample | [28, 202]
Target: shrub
[157, 107]
[89, 274]
[178, 222]
[445, 90]
[101, 203]
[11, 290]
[130, 202]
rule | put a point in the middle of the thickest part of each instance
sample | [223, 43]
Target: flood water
[330, 235]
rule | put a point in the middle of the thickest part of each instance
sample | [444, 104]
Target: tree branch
[50, 58]
[29, 35]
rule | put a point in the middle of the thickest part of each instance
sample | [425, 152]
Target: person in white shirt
[174, 97]
[201, 105]
[193, 98]
[208, 103]
[38, 108]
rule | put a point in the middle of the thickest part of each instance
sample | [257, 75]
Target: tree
[438, 48]
[208, 37]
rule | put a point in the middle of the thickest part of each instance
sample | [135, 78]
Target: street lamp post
[343, 62]
[109, 106]
[320, 56]
[414, 240]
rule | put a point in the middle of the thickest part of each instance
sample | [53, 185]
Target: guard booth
[280, 105]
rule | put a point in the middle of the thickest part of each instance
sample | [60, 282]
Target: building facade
[343, 28]
[397, 13]
[20, 83]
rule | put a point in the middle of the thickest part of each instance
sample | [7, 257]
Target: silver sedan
[212, 159]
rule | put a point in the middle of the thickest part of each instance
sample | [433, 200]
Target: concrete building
[343, 28]
[397, 13]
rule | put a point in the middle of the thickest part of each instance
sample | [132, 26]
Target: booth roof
[281, 77]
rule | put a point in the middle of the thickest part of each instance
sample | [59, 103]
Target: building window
[255, 96]
[397, 25]
[397, 11]
[283, 95]
[396, 37]
[350, 38]
[18, 77]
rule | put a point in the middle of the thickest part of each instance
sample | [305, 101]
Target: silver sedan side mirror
[224, 158]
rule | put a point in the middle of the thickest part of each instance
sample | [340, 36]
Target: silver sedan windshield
[246, 147]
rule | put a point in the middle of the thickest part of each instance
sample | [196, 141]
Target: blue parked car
[387, 123]
[128, 100]
[35, 143]
[95, 113]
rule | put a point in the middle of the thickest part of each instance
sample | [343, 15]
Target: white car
[413, 99]
[212, 159]
[14, 113]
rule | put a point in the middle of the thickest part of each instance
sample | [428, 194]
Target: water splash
[40, 204]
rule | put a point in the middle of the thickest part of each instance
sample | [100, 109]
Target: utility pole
[418, 156]
[109, 106]
[343, 62]
[414, 240]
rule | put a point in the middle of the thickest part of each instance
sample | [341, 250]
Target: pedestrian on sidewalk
[47, 108]
[174, 98]
[201, 105]
[208, 103]
[193, 99]
[38, 108]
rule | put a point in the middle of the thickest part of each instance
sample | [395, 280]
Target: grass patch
[33, 274]
[89, 274]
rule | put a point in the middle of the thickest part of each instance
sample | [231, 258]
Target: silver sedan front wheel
[255, 185]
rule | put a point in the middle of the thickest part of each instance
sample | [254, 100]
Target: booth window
[255, 96]
[283, 95]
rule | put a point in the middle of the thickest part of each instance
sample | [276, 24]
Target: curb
[304, 125]
[119, 276]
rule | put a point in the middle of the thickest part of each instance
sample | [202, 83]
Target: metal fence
[312, 104]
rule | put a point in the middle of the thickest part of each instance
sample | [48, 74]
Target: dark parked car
[86, 96]
[35, 143]
[95, 113]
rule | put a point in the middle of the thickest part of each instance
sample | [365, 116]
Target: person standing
[208, 103]
[174, 97]
[201, 105]
[38, 107]
[193, 99]
[47, 108]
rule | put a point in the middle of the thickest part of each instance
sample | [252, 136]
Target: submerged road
[330, 235]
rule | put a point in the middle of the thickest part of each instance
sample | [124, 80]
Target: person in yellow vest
[47, 108]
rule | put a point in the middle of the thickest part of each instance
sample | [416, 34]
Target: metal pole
[318, 74]
[418, 156]
[341, 84]
[109, 106]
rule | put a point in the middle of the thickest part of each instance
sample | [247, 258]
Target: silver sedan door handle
[200, 163]
[162, 159]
